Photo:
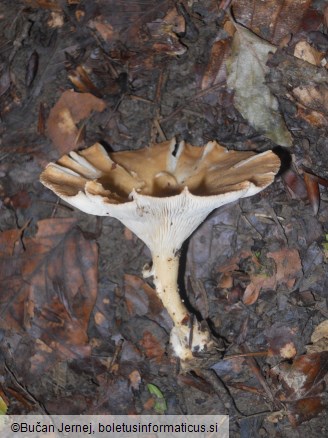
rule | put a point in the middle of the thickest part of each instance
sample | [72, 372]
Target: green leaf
[3, 406]
[160, 406]
[253, 98]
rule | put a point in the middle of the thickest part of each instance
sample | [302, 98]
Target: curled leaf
[312, 188]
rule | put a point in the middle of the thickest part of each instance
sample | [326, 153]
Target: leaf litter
[82, 338]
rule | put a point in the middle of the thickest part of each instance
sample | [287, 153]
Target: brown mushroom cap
[160, 170]
[170, 188]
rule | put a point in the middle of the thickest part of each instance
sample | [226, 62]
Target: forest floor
[81, 331]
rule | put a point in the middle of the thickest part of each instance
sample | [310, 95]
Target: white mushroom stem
[186, 336]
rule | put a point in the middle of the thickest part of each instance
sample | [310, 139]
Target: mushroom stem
[186, 336]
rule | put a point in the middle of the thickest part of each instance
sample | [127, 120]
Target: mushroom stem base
[187, 336]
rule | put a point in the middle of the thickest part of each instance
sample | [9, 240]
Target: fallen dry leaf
[135, 379]
[253, 98]
[105, 29]
[301, 386]
[263, 276]
[82, 82]
[164, 33]
[70, 109]
[295, 184]
[288, 264]
[281, 341]
[9, 242]
[215, 69]
[303, 50]
[312, 103]
[152, 346]
[271, 19]
[141, 299]
[48, 290]
[313, 192]
[55, 5]
[319, 339]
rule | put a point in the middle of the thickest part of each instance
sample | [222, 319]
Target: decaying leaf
[295, 184]
[312, 188]
[48, 290]
[164, 33]
[301, 386]
[265, 276]
[303, 50]
[319, 339]
[312, 103]
[152, 346]
[271, 19]
[82, 82]
[54, 5]
[135, 379]
[70, 109]
[281, 341]
[141, 299]
[104, 29]
[253, 98]
[215, 68]
[289, 266]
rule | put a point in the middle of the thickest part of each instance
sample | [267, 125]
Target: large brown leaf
[70, 109]
[48, 288]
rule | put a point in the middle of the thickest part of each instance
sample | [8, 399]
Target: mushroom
[162, 193]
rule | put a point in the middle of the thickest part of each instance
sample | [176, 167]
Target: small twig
[222, 391]
[248, 354]
[24, 390]
[116, 355]
[192, 98]
[258, 374]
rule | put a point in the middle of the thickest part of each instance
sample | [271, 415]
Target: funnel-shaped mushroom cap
[162, 192]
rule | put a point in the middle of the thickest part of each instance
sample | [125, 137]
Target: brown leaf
[105, 29]
[215, 69]
[313, 96]
[304, 376]
[251, 294]
[295, 184]
[152, 346]
[82, 82]
[141, 299]
[280, 341]
[164, 33]
[54, 5]
[49, 289]
[9, 241]
[302, 386]
[135, 379]
[70, 109]
[312, 188]
[271, 20]
[303, 50]
[319, 338]
[21, 199]
[288, 264]
[304, 409]
[312, 103]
